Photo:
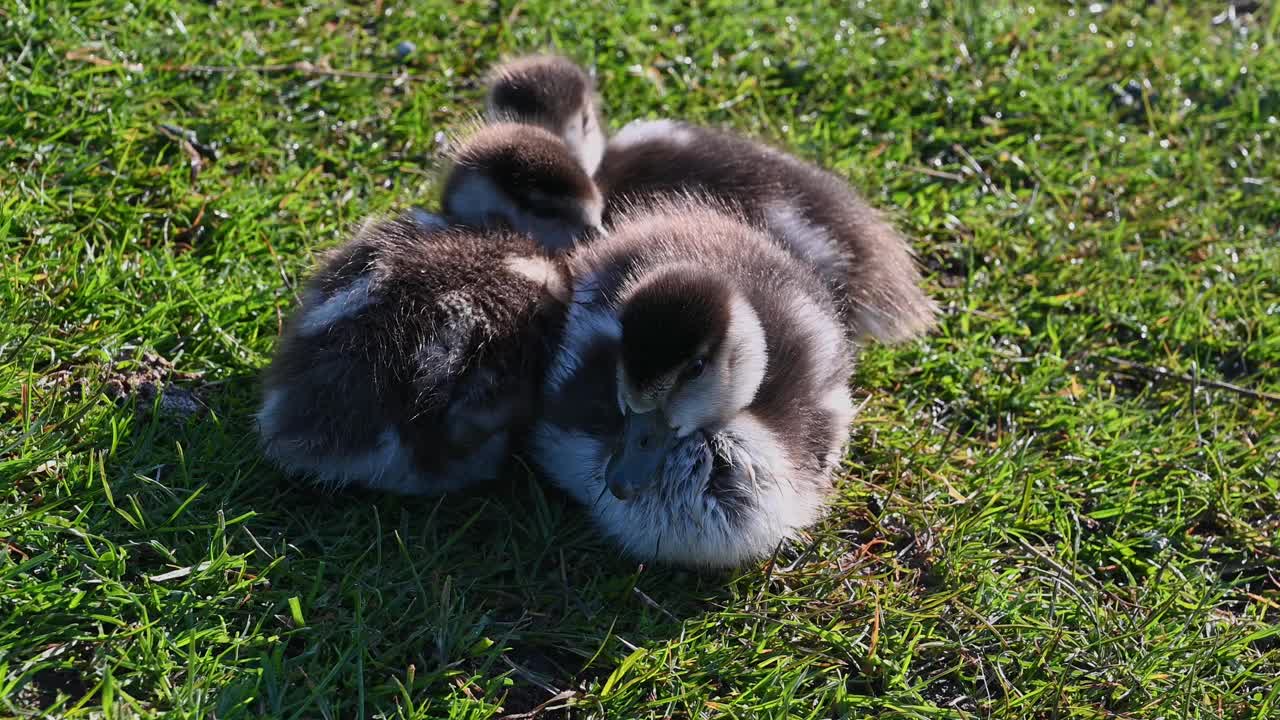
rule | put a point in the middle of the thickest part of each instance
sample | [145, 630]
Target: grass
[1028, 527]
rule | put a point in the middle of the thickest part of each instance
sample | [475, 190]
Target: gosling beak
[639, 455]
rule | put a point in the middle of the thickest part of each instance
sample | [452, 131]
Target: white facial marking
[729, 383]
[746, 340]
[642, 132]
[586, 143]
[342, 304]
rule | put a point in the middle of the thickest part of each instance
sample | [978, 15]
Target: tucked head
[673, 323]
[552, 92]
[522, 177]
[692, 356]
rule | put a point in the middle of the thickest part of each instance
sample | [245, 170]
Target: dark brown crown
[671, 317]
[537, 88]
[521, 160]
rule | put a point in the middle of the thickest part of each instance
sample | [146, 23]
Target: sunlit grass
[1030, 526]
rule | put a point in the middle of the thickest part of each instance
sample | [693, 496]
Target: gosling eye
[693, 369]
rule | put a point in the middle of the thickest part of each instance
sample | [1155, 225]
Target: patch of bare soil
[144, 376]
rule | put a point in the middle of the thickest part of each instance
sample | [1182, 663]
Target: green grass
[1026, 528]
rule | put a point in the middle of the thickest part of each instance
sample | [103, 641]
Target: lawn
[1063, 504]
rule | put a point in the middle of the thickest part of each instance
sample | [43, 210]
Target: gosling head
[524, 178]
[692, 357]
[552, 92]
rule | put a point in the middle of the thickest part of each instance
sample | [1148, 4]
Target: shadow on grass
[348, 603]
